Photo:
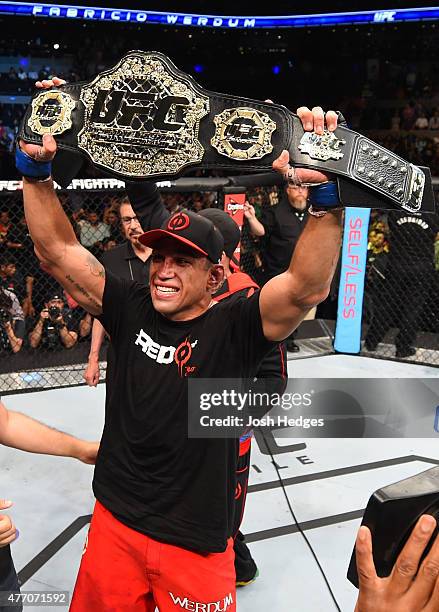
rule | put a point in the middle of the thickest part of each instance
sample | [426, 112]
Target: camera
[391, 514]
[54, 312]
[4, 315]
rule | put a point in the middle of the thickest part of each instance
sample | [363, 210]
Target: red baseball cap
[190, 229]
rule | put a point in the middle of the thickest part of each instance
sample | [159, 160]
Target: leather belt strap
[144, 118]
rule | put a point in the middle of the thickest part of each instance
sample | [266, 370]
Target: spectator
[406, 281]
[396, 122]
[93, 231]
[408, 116]
[22, 75]
[108, 244]
[433, 124]
[173, 202]
[55, 327]
[421, 122]
[12, 326]
[5, 223]
[85, 326]
[13, 280]
[78, 219]
[197, 202]
[112, 219]
[281, 226]
[20, 245]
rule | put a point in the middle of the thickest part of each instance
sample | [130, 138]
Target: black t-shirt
[124, 263]
[412, 237]
[149, 474]
[283, 226]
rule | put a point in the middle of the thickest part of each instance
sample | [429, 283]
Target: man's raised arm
[286, 299]
[56, 245]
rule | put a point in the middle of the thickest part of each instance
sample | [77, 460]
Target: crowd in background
[47, 318]
[384, 88]
[35, 312]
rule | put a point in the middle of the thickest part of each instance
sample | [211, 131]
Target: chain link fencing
[45, 335]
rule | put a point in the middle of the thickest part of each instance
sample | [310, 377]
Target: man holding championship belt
[161, 530]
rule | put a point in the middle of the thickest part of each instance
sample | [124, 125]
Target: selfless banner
[351, 290]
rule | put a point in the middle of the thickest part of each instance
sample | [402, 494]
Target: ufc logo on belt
[239, 130]
[123, 107]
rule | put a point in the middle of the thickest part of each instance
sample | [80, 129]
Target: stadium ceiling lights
[65, 11]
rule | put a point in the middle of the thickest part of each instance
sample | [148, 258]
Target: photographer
[12, 324]
[55, 328]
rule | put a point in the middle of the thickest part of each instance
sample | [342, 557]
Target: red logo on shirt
[178, 222]
[182, 355]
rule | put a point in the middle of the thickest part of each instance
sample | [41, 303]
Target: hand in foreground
[312, 121]
[8, 532]
[407, 589]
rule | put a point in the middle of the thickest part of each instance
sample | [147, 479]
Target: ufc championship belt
[145, 119]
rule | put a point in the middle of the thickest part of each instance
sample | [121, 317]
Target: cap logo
[178, 222]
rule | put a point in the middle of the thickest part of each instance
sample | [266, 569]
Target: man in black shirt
[236, 285]
[280, 227]
[161, 531]
[129, 260]
[406, 280]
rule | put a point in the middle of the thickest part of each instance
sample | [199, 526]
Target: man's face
[379, 239]
[4, 217]
[79, 214]
[181, 284]
[57, 303]
[130, 224]
[172, 200]
[197, 205]
[297, 196]
[9, 269]
[93, 218]
[110, 244]
[112, 218]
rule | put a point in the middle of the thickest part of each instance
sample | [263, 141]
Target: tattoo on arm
[84, 292]
[96, 268]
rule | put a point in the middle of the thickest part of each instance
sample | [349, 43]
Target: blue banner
[351, 290]
[65, 11]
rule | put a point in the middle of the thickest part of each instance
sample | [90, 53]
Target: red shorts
[123, 570]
